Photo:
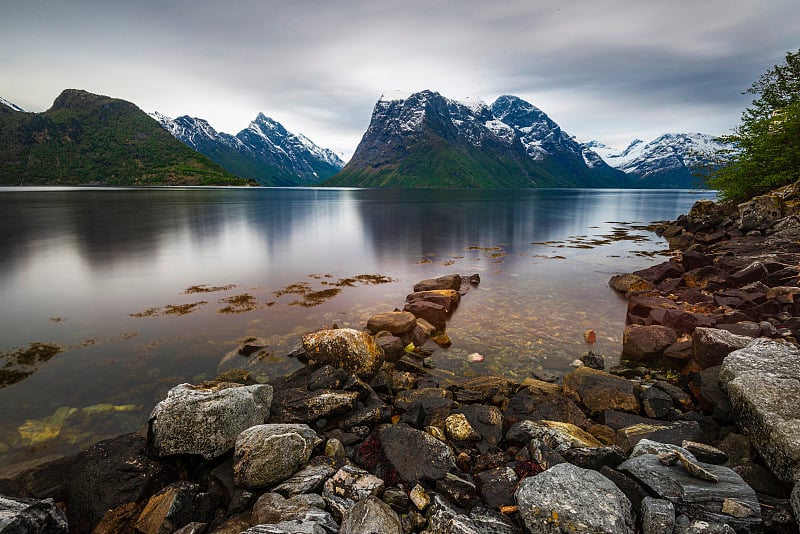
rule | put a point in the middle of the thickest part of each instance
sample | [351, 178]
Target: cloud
[604, 69]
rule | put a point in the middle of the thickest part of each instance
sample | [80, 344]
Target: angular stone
[21, 516]
[297, 405]
[174, 507]
[662, 271]
[617, 420]
[459, 429]
[566, 498]
[344, 347]
[371, 515]
[111, 473]
[540, 400]
[393, 347]
[763, 383]
[711, 345]
[697, 498]
[623, 283]
[267, 454]
[206, 420]
[600, 391]
[643, 343]
[705, 453]
[755, 272]
[760, 212]
[353, 483]
[487, 422]
[558, 436]
[435, 404]
[642, 305]
[397, 323]
[448, 298]
[658, 516]
[273, 514]
[595, 458]
[415, 455]
[672, 433]
[450, 281]
[497, 486]
[646, 446]
[434, 313]
[460, 491]
[308, 480]
[655, 403]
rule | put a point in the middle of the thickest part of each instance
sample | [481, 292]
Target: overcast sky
[602, 69]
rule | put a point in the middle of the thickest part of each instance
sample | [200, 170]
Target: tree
[768, 138]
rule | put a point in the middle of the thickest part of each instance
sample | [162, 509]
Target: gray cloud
[610, 70]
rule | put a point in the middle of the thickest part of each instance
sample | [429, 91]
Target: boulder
[20, 516]
[763, 383]
[655, 403]
[541, 400]
[431, 404]
[662, 271]
[206, 420]
[705, 215]
[487, 422]
[434, 313]
[658, 516]
[371, 515]
[497, 486]
[566, 498]
[345, 347]
[396, 322]
[111, 473]
[267, 454]
[174, 507]
[644, 343]
[274, 514]
[599, 391]
[450, 281]
[415, 455]
[299, 405]
[623, 283]
[695, 497]
[308, 480]
[556, 435]
[446, 297]
[711, 345]
[760, 212]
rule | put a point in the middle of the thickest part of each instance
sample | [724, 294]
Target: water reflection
[89, 258]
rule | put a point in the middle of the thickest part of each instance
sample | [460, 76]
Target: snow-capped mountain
[428, 140]
[671, 160]
[12, 105]
[264, 151]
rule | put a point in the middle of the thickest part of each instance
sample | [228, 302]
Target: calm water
[94, 271]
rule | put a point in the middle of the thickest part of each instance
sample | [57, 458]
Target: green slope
[87, 139]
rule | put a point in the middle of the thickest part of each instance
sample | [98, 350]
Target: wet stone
[672, 433]
[600, 391]
[497, 486]
[308, 480]
[658, 516]
[655, 403]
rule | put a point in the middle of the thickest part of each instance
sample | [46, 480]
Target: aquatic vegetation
[183, 309]
[239, 304]
[298, 288]
[315, 298]
[205, 288]
[149, 312]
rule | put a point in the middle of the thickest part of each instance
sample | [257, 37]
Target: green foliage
[86, 139]
[768, 139]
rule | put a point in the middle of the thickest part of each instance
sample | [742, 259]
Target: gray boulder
[206, 420]
[414, 454]
[371, 515]
[22, 516]
[345, 347]
[566, 498]
[272, 513]
[697, 498]
[711, 345]
[763, 383]
[760, 212]
[658, 516]
[446, 518]
[268, 454]
[308, 480]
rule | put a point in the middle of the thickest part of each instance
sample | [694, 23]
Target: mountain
[11, 105]
[427, 140]
[264, 151]
[88, 139]
[670, 161]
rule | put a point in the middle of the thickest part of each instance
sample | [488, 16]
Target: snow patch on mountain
[13, 106]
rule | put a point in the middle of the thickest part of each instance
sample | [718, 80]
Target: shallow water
[104, 274]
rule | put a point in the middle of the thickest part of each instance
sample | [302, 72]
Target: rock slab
[268, 454]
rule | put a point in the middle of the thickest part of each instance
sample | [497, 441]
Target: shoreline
[382, 438]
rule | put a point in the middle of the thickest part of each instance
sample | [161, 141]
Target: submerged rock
[206, 420]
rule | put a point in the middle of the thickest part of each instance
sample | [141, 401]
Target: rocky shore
[697, 431]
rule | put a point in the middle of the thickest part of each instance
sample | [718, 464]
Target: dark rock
[641, 305]
[673, 433]
[23, 516]
[458, 490]
[393, 347]
[697, 498]
[658, 516]
[487, 422]
[705, 215]
[396, 323]
[108, 474]
[193, 528]
[743, 328]
[543, 454]
[644, 343]
[655, 403]
[451, 281]
[540, 400]
[595, 458]
[599, 391]
[705, 453]
[434, 313]
[582, 501]
[414, 454]
[40, 478]
[371, 515]
[221, 484]
[444, 297]
[487, 389]
[328, 377]
[308, 480]
[631, 487]
[684, 322]
[302, 406]
[280, 515]
[682, 350]
[679, 396]
[776, 515]
[557, 435]
[662, 271]
[593, 360]
[174, 507]
[431, 404]
[755, 272]
[617, 420]
[497, 486]
[762, 480]
[711, 345]
[348, 486]
[444, 517]
[692, 259]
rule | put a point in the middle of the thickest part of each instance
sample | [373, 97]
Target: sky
[608, 70]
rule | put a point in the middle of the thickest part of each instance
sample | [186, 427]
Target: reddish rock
[711, 345]
[600, 391]
[640, 305]
[640, 343]
[629, 282]
[397, 323]
[662, 271]
[451, 281]
[436, 314]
